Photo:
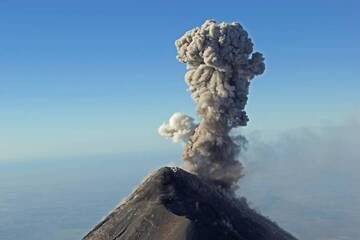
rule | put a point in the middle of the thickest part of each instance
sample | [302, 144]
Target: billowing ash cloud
[179, 128]
[220, 64]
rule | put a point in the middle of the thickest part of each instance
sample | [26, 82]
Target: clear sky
[94, 77]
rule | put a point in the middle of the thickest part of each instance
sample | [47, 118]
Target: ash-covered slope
[176, 205]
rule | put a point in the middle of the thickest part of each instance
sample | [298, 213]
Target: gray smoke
[220, 65]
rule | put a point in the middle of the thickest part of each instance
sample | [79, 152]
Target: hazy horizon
[307, 187]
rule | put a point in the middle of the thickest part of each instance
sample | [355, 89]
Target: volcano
[173, 204]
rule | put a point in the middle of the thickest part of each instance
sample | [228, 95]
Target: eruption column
[220, 64]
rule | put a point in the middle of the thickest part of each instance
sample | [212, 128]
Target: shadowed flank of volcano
[176, 205]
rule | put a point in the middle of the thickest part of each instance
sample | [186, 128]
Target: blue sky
[99, 77]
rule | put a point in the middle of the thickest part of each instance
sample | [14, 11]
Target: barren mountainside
[176, 205]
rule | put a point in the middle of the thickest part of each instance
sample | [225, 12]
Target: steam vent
[173, 204]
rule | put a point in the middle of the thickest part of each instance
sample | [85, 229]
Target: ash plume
[220, 64]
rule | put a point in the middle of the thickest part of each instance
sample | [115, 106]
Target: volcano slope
[173, 204]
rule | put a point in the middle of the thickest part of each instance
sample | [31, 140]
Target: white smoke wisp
[179, 128]
[220, 64]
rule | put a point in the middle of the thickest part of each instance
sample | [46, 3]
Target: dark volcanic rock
[173, 204]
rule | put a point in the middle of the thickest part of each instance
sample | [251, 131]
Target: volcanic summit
[173, 204]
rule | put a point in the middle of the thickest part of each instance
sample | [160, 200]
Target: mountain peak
[176, 205]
